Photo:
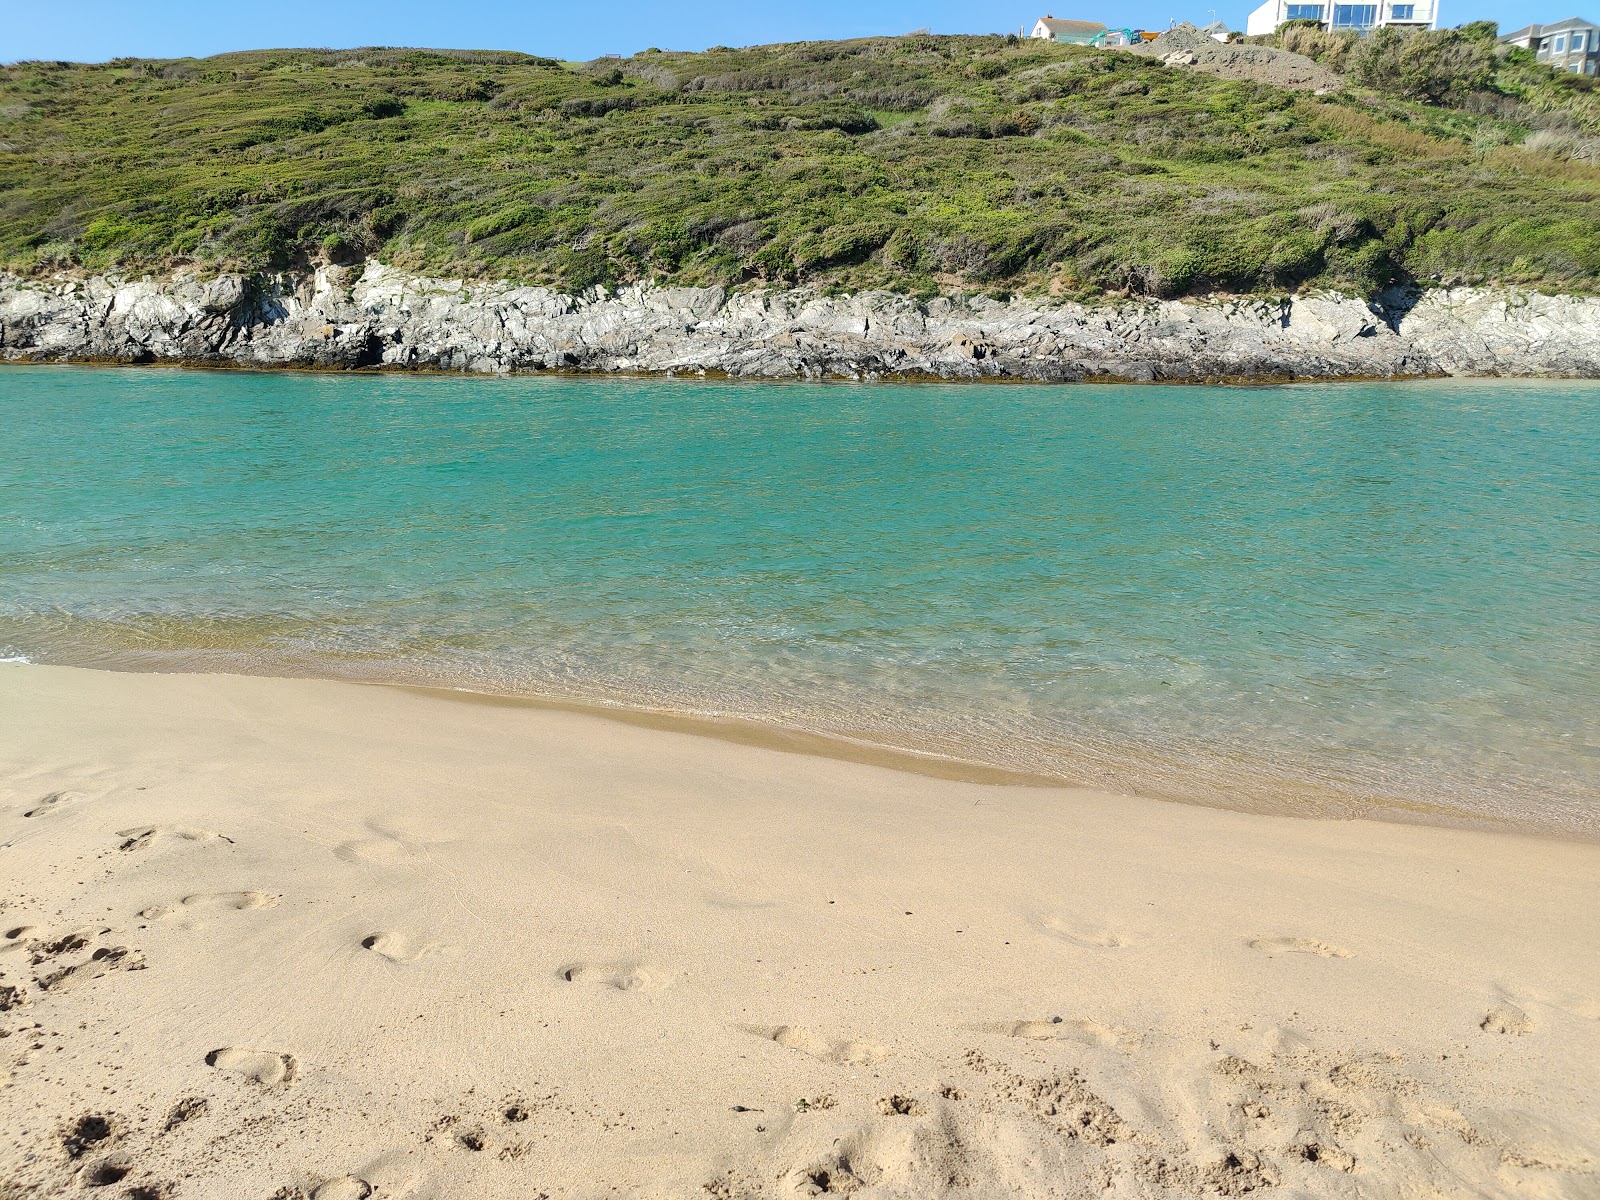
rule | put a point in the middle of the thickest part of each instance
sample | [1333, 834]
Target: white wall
[1265, 19]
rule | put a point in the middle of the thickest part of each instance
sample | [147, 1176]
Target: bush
[382, 107]
[515, 217]
[337, 248]
[849, 244]
[666, 244]
[1434, 66]
[774, 262]
[902, 250]
[581, 269]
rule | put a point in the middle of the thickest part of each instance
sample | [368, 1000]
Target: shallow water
[1306, 598]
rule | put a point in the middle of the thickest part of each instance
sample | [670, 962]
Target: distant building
[1077, 33]
[1570, 45]
[1363, 18]
[1216, 31]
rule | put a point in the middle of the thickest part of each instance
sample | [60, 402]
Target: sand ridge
[293, 940]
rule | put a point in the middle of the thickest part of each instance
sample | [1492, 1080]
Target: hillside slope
[922, 164]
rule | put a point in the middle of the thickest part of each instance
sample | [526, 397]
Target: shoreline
[1312, 800]
[291, 938]
[714, 375]
[376, 317]
[841, 747]
[719, 376]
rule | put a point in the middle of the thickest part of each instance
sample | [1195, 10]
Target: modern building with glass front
[1363, 18]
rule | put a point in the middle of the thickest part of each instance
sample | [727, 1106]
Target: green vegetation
[920, 163]
[1460, 68]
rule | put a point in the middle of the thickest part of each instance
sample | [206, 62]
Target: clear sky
[94, 30]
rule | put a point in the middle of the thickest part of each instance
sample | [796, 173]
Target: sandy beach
[288, 938]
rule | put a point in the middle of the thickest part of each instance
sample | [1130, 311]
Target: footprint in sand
[47, 949]
[1073, 1029]
[41, 946]
[264, 1067]
[50, 803]
[88, 1132]
[183, 1112]
[204, 902]
[384, 844]
[375, 850]
[738, 903]
[106, 1172]
[396, 947]
[395, 1176]
[346, 1187]
[103, 961]
[1506, 1018]
[20, 939]
[843, 1051]
[622, 976]
[1081, 935]
[143, 835]
[1298, 945]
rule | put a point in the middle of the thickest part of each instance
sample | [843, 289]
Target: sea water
[1313, 598]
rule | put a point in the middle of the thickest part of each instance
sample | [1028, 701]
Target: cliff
[337, 318]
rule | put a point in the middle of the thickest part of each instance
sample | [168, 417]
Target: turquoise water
[1305, 598]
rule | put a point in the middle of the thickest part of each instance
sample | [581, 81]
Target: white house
[1363, 18]
[1077, 32]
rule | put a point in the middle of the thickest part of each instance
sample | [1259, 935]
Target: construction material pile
[1185, 46]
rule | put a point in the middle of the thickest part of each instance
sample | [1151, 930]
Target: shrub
[515, 217]
[1433, 66]
[581, 269]
[382, 107]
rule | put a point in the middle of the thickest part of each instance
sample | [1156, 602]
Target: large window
[1355, 16]
[1402, 12]
[1304, 12]
[1561, 44]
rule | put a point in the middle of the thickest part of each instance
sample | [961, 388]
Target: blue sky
[94, 30]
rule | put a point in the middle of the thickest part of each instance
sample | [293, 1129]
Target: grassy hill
[920, 163]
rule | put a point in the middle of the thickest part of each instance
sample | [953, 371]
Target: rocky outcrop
[379, 317]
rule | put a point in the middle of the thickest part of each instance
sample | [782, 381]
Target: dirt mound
[1186, 46]
[1182, 36]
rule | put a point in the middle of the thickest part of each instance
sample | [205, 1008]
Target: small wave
[15, 658]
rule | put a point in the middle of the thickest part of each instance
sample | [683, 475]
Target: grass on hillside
[920, 163]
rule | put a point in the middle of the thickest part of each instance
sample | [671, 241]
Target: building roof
[1528, 31]
[1059, 26]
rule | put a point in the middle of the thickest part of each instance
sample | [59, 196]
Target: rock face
[337, 318]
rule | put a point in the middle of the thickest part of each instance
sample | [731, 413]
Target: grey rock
[336, 318]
